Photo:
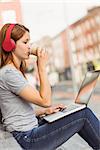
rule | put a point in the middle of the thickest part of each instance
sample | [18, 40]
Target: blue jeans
[48, 136]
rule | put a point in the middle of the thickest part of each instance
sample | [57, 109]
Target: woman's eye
[25, 42]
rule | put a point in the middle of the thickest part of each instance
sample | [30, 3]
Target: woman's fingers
[38, 51]
[41, 52]
[60, 106]
[55, 109]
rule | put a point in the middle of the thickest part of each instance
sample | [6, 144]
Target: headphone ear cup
[13, 45]
[9, 46]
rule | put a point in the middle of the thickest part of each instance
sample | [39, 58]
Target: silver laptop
[85, 91]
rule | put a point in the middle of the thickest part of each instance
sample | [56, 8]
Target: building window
[8, 16]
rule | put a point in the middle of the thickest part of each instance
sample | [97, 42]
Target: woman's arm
[42, 97]
[40, 112]
[45, 88]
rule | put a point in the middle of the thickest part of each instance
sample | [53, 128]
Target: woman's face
[22, 50]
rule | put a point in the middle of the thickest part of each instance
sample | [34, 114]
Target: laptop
[83, 96]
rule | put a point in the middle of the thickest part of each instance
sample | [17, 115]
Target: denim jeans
[48, 136]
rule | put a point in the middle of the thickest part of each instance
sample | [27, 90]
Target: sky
[49, 17]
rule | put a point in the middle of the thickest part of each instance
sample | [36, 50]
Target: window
[8, 16]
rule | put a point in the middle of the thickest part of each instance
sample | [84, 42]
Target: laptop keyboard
[69, 108]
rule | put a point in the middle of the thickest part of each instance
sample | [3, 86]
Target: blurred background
[70, 31]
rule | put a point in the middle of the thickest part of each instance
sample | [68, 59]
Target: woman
[16, 94]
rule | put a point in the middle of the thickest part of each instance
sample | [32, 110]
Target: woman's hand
[42, 58]
[42, 55]
[54, 109]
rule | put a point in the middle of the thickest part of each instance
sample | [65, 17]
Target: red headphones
[8, 43]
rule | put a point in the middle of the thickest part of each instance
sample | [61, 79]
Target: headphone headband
[8, 32]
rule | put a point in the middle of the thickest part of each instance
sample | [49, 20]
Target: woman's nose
[28, 45]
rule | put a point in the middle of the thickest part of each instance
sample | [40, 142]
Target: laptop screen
[87, 87]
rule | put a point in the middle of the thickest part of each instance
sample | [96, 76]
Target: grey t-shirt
[17, 113]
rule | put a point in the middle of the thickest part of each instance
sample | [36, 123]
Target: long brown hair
[5, 57]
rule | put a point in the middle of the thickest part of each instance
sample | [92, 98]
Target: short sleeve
[15, 81]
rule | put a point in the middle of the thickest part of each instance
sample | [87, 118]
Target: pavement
[63, 93]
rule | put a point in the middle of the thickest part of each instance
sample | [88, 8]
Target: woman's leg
[50, 136]
[91, 130]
